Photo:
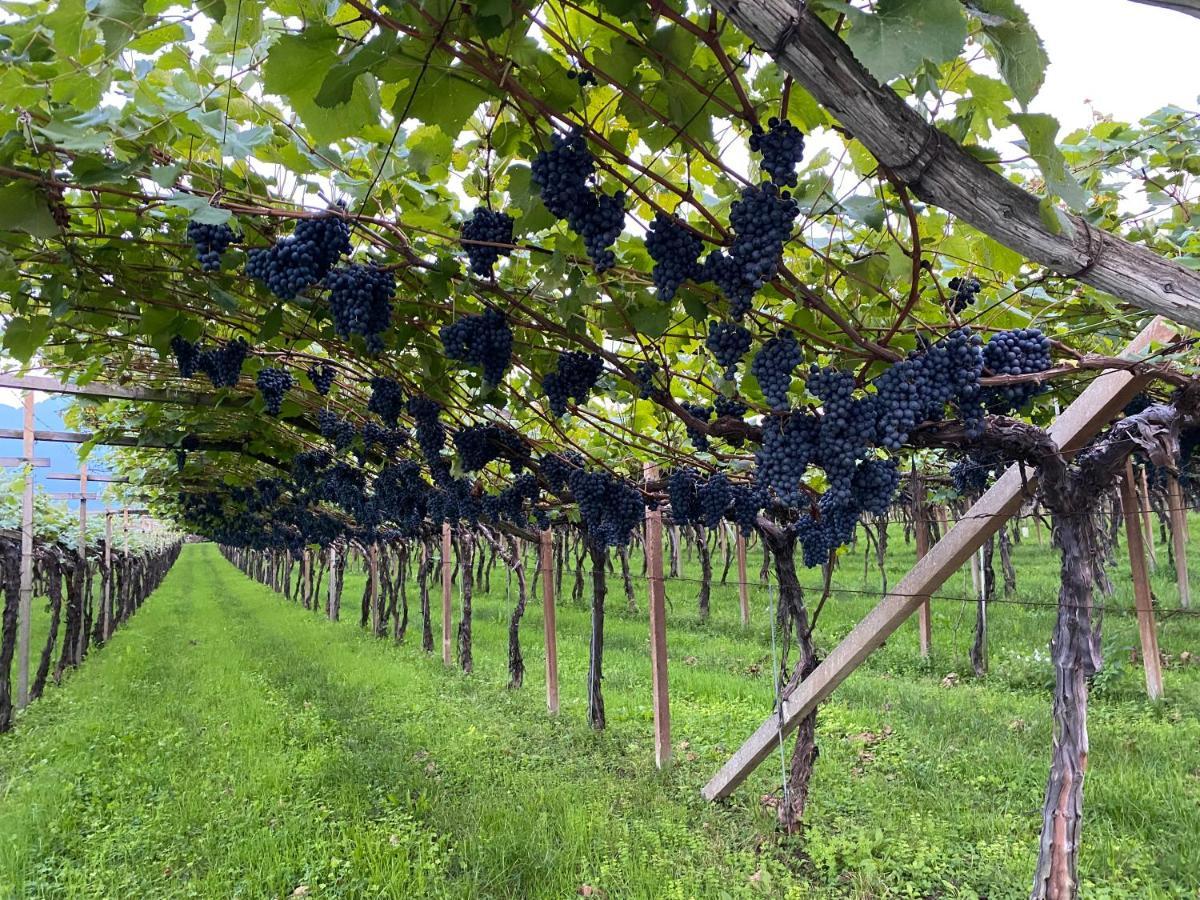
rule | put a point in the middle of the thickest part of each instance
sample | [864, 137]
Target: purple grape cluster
[360, 302]
[561, 175]
[210, 242]
[338, 431]
[273, 384]
[1022, 351]
[609, 506]
[223, 365]
[486, 236]
[431, 435]
[781, 148]
[728, 343]
[484, 340]
[698, 438]
[295, 263]
[761, 220]
[574, 377]
[478, 445]
[773, 367]
[387, 400]
[321, 375]
[676, 254]
[187, 355]
[965, 292]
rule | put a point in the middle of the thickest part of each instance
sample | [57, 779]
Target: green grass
[229, 744]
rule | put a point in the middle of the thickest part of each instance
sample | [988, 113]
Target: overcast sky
[1124, 58]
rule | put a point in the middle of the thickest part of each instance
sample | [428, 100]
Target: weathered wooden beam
[1143, 602]
[48, 385]
[1077, 425]
[550, 629]
[69, 476]
[118, 440]
[660, 694]
[941, 172]
[1187, 7]
[37, 462]
[73, 495]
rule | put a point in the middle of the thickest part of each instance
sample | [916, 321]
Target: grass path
[228, 744]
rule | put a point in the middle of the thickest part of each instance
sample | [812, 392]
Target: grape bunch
[360, 301]
[210, 242]
[335, 429]
[479, 233]
[187, 355]
[728, 343]
[478, 445]
[972, 474]
[295, 263]
[965, 292]
[387, 438]
[599, 220]
[919, 387]
[387, 400]
[698, 438]
[584, 78]
[223, 365]
[745, 501]
[761, 220]
[609, 507]
[820, 535]
[781, 148]
[556, 469]
[561, 176]
[321, 375]
[789, 444]
[676, 254]
[773, 367]
[847, 429]
[683, 493]
[734, 408]
[484, 340]
[561, 173]
[273, 384]
[431, 435]
[573, 379]
[1022, 351]
[714, 497]
[875, 484]
[643, 377]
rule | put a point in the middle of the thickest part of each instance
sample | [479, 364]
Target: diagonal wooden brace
[1079, 422]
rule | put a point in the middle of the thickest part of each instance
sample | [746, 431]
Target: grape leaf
[902, 34]
[1040, 131]
[1019, 52]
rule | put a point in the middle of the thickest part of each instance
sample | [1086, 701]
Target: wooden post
[25, 610]
[743, 585]
[331, 602]
[81, 635]
[921, 517]
[106, 599]
[1141, 585]
[1149, 522]
[447, 573]
[546, 548]
[660, 694]
[1179, 538]
[373, 587]
[1094, 408]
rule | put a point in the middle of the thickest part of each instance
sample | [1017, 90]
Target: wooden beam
[1147, 633]
[118, 440]
[25, 595]
[82, 496]
[546, 549]
[1079, 422]
[1187, 7]
[48, 385]
[72, 476]
[36, 462]
[660, 694]
[743, 584]
[1179, 538]
[447, 587]
[921, 524]
[939, 171]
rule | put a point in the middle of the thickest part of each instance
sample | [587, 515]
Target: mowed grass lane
[228, 744]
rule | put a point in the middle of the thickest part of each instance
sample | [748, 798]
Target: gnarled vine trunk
[595, 695]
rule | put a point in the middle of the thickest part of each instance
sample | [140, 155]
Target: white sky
[1125, 59]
